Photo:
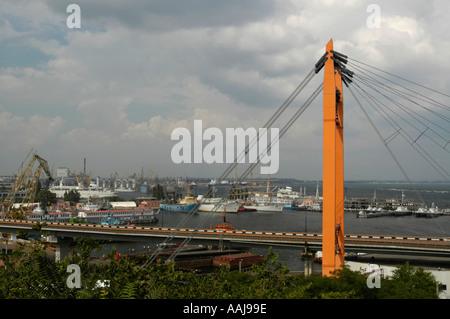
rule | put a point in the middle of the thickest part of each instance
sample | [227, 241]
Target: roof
[239, 255]
[123, 204]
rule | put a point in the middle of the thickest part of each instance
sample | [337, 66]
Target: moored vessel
[373, 212]
[109, 221]
[265, 207]
[185, 205]
[402, 211]
[224, 225]
[427, 213]
[217, 204]
[177, 207]
[85, 192]
[135, 215]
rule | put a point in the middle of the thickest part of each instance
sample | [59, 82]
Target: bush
[28, 273]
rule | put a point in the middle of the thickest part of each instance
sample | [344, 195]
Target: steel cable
[252, 166]
[268, 124]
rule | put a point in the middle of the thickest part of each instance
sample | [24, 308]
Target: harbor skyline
[113, 90]
[216, 149]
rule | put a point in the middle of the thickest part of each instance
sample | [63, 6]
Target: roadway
[353, 242]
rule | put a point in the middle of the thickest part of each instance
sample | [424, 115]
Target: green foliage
[408, 282]
[27, 272]
[45, 198]
[72, 196]
[158, 192]
[38, 225]
[270, 278]
[113, 199]
[345, 284]
[22, 234]
[48, 279]
[81, 254]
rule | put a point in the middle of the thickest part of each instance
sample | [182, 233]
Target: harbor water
[294, 221]
[309, 221]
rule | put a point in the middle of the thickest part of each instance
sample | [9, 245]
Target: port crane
[27, 179]
[85, 182]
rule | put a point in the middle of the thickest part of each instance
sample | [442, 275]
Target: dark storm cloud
[167, 15]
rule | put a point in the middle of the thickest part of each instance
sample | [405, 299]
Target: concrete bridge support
[308, 258]
[62, 245]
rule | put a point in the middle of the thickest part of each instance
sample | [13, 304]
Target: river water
[300, 221]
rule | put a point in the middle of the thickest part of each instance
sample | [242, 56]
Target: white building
[62, 172]
[129, 204]
[441, 275]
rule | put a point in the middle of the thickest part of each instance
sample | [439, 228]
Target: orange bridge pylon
[333, 163]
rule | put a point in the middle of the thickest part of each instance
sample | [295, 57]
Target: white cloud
[133, 73]
[18, 133]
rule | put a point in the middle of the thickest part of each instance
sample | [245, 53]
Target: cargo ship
[185, 205]
[217, 204]
[177, 207]
[85, 192]
[264, 207]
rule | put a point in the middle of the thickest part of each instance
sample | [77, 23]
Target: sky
[113, 90]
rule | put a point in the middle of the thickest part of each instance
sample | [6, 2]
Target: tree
[345, 284]
[38, 187]
[28, 273]
[46, 198]
[158, 192]
[72, 196]
[409, 282]
[270, 279]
